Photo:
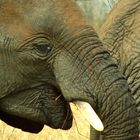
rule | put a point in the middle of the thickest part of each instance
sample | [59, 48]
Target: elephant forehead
[20, 19]
[12, 22]
[19, 30]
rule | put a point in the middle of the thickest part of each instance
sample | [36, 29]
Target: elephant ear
[29, 110]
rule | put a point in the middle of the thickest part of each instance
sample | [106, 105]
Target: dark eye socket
[42, 48]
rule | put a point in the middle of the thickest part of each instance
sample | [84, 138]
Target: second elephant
[121, 36]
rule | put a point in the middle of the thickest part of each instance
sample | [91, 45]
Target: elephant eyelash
[30, 44]
[29, 41]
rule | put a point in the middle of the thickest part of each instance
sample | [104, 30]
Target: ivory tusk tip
[99, 128]
[90, 115]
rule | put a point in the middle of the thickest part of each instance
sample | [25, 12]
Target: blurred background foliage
[96, 12]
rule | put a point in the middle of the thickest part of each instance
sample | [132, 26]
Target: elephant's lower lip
[41, 108]
[21, 123]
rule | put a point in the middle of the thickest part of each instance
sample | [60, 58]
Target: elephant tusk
[90, 115]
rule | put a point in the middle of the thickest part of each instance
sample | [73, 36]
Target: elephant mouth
[21, 123]
[31, 109]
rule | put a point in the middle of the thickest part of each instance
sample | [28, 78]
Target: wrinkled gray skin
[51, 56]
[121, 36]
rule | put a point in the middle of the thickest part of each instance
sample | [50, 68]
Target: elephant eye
[42, 48]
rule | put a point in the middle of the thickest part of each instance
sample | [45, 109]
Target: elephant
[51, 56]
[120, 35]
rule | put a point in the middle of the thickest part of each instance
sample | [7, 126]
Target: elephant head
[51, 56]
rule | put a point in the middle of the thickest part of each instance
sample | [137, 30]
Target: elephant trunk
[116, 107]
[85, 71]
